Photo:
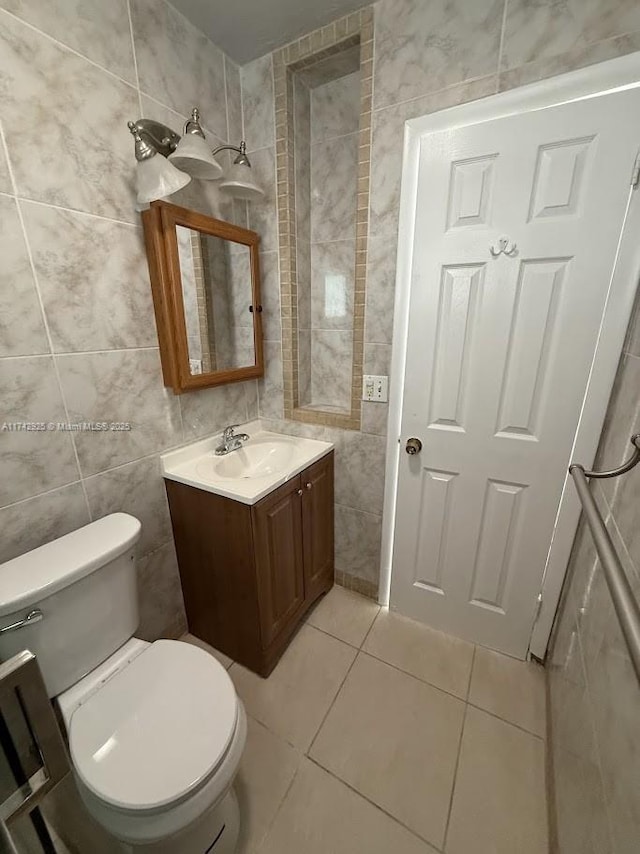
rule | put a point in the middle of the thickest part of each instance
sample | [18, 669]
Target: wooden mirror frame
[161, 242]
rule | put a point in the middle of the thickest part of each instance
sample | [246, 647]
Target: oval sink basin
[262, 464]
[258, 458]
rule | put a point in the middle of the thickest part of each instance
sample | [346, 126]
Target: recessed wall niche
[323, 86]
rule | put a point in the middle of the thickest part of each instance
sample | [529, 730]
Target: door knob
[299, 491]
[413, 446]
[308, 484]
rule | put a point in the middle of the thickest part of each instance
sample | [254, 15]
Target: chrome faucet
[230, 441]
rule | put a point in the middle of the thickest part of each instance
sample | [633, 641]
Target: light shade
[194, 156]
[239, 182]
[157, 178]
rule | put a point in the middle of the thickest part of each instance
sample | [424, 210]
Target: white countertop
[196, 464]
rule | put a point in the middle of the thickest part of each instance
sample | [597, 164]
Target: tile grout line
[75, 211]
[276, 812]
[370, 629]
[307, 752]
[329, 635]
[413, 676]
[66, 353]
[563, 55]
[258, 151]
[549, 776]
[155, 549]
[457, 765]
[342, 640]
[135, 58]
[242, 122]
[501, 47]
[13, 504]
[505, 721]
[455, 777]
[375, 805]
[420, 679]
[333, 138]
[450, 694]
[56, 368]
[432, 94]
[368, 303]
[260, 382]
[272, 78]
[226, 97]
[363, 512]
[67, 47]
[278, 809]
[135, 85]
[333, 240]
[102, 471]
[593, 731]
[473, 664]
[210, 131]
[43, 315]
[307, 755]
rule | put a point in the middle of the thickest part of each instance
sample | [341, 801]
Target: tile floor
[377, 734]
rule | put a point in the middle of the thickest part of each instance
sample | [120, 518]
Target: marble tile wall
[302, 183]
[335, 115]
[77, 332]
[429, 56]
[593, 689]
[259, 132]
[326, 118]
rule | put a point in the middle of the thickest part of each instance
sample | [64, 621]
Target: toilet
[155, 730]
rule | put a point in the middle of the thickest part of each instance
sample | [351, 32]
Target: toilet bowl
[155, 737]
[155, 730]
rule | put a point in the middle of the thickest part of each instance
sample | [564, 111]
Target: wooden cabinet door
[277, 528]
[317, 525]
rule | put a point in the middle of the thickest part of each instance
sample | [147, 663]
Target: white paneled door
[516, 232]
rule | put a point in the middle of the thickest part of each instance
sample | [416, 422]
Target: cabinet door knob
[299, 492]
[308, 484]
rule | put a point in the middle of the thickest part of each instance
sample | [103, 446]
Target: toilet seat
[156, 731]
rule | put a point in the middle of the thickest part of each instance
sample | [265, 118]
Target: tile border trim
[357, 585]
[353, 29]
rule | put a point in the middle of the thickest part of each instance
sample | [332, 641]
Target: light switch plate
[375, 388]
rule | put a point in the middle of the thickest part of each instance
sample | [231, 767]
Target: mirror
[216, 294]
[205, 281]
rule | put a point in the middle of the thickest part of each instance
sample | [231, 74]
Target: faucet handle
[228, 431]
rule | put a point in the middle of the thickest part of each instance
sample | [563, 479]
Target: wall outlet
[375, 389]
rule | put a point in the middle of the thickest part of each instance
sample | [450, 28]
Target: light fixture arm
[241, 149]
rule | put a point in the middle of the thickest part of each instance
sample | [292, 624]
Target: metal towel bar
[624, 601]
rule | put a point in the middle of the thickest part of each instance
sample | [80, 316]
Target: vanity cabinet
[250, 572]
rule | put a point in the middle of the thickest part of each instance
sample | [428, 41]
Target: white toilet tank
[85, 586]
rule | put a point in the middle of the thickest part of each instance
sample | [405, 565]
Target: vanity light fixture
[239, 181]
[183, 158]
[192, 154]
[155, 176]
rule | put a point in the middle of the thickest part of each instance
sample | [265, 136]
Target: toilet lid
[157, 729]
